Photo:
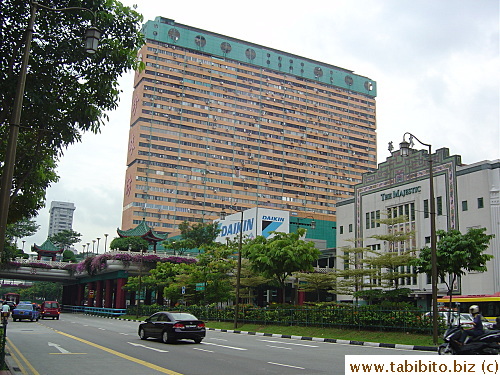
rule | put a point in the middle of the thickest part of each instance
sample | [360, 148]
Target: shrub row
[335, 316]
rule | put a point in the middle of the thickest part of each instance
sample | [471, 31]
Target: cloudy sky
[436, 65]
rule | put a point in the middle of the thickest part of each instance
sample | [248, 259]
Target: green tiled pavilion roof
[144, 231]
[47, 247]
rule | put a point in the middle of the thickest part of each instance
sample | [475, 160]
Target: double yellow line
[19, 358]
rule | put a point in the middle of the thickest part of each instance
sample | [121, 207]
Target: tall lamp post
[238, 270]
[92, 37]
[404, 147]
[105, 240]
[98, 239]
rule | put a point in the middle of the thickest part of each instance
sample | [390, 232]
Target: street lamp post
[238, 270]
[105, 240]
[92, 38]
[98, 239]
[93, 246]
[88, 249]
[405, 149]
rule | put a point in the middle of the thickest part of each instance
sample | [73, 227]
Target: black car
[172, 326]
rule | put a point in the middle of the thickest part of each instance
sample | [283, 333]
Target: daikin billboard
[256, 221]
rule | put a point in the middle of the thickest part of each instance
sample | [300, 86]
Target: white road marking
[279, 347]
[148, 347]
[216, 339]
[291, 343]
[58, 348]
[282, 364]
[224, 346]
[203, 350]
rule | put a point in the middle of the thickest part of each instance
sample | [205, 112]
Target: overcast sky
[436, 64]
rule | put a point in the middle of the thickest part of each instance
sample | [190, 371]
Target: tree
[69, 256]
[457, 254]
[280, 256]
[129, 243]
[156, 279]
[68, 92]
[354, 275]
[20, 229]
[42, 290]
[213, 268]
[194, 236]
[398, 255]
[250, 281]
[65, 238]
[316, 282]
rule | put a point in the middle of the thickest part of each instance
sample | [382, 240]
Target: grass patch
[330, 333]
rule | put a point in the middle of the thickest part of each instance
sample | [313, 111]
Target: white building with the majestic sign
[466, 196]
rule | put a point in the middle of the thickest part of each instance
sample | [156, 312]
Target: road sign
[183, 290]
[200, 286]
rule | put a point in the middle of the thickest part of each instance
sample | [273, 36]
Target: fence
[347, 317]
[3, 339]
[102, 311]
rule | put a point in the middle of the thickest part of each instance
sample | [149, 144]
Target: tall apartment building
[219, 123]
[61, 217]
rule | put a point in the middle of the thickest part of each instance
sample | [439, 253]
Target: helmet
[474, 309]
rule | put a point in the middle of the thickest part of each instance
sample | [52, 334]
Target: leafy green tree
[193, 236]
[457, 254]
[316, 282]
[199, 234]
[155, 279]
[213, 268]
[280, 256]
[65, 238]
[250, 281]
[394, 259]
[20, 229]
[129, 243]
[354, 276]
[42, 290]
[69, 256]
[178, 246]
[184, 277]
[68, 92]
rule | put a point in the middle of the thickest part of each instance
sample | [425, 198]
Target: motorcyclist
[477, 324]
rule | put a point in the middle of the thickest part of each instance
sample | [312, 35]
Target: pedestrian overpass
[102, 290]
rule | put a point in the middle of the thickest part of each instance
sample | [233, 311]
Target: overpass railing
[101, 311]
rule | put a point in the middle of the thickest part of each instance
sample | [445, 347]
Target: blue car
[26, 311]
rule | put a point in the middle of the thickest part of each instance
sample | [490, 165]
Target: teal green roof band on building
[168, 31]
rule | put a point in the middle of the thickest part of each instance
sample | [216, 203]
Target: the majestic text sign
[401, 193]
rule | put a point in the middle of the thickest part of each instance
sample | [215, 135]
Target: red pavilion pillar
[120, 302]
[79, 294]
[98, 293]
[108, 294]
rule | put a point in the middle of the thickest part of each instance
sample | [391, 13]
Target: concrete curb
[318, 339]
[335, 341]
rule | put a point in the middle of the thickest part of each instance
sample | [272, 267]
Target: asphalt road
[80, 344]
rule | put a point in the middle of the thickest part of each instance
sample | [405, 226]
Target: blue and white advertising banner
[254, 222]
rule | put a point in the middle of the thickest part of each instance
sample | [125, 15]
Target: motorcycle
[487, 343]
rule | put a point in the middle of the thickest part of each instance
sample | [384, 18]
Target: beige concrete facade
[209, 132]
